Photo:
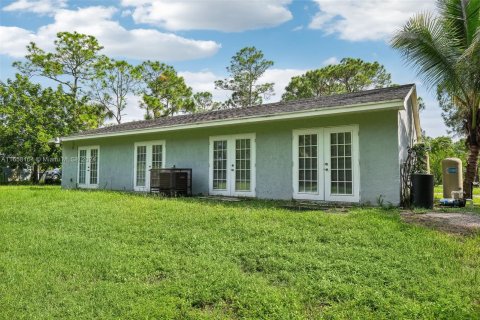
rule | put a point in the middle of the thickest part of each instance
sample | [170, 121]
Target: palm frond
[425, 45]
[470, 60]
[474, 49]
[461, 19]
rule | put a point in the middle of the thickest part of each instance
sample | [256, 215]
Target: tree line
[86, 89]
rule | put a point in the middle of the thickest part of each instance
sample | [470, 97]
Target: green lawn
[476, 193]
[84, 255]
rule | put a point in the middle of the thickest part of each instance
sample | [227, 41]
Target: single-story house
[346, 147]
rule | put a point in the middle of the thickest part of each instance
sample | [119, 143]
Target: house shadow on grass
[288, 205]
[294, 206]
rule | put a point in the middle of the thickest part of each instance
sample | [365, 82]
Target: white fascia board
[408, 96]
[416, 112]
[365, 107]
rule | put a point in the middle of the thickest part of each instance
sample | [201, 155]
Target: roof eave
[396, 104]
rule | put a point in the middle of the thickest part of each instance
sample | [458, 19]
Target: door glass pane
[220, 165]
[307, 159]
[141, 165]
[157, 156]
[242, 165]
[341, 177]
[93, 166]
[82, 166]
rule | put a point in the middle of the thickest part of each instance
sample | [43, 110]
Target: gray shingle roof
[338, 100]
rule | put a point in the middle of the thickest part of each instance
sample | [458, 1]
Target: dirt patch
[455, 223]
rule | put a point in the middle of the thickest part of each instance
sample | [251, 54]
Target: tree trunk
[34, 174]
[472, 162]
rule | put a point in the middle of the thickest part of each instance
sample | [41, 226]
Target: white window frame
[148, 164]
[87, 184]
[323, 158]
[230, 191]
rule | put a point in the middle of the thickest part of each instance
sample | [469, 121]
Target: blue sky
[198, 37]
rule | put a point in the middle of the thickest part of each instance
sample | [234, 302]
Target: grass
[84, 255]
[476, 193]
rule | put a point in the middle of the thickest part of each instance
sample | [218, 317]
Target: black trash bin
[422, 190]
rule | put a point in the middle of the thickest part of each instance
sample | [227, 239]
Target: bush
[441, 148]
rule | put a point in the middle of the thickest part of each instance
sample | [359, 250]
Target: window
[341, 163]
[93, 166]
[308, 161]
[242, 164]
[82, 166]
[141, 165]
[157, 156]
[220, 165]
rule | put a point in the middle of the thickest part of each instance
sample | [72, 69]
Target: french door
[148, 155]
[325, 164]
[232, 165]
[88, 164]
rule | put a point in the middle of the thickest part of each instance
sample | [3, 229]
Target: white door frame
[148, 162]
[320, 193]
[323, 165]
[231, 169]
[88, 151]
[355, 196]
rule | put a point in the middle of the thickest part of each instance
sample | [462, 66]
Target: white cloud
[280, 78]
[36, 6]
[331, 60]
[367, 19]
[219, 15]
[200, 81]
[13, 40]
[204, 81]
[118, 41]
[126, 13]
[132, 111]
[431, 120]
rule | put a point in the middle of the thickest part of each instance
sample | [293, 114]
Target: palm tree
[445, 50]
